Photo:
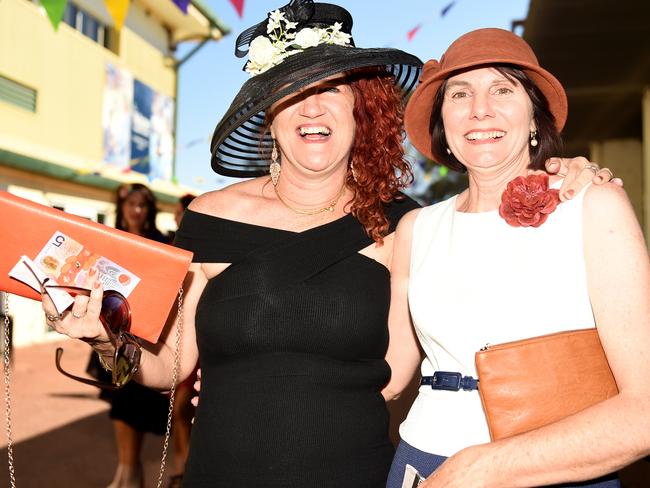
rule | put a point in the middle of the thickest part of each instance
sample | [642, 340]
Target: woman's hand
[577, 173]
[468, 467]
[81, 321]
[197, 387]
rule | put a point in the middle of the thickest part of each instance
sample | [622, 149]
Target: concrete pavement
[62, 435]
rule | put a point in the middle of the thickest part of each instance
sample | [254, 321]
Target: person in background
[507, 260]
[135, 409]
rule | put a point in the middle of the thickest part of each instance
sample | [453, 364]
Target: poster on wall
[116, 116]
[161, 143]
[138, 125]
[141, 127]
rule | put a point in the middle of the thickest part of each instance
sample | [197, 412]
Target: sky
[210, 79]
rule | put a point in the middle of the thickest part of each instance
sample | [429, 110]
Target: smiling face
[487, 119]
[315, 127]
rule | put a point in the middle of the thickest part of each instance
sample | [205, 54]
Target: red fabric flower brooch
[527, 201]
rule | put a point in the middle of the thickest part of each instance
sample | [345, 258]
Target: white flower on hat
[308, 37]
[266, 52]
[261, 51]
[275, 21]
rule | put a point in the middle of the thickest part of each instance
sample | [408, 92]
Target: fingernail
[570, 193]
[96, 285]
[92, 271]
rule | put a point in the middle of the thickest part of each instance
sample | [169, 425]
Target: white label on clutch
[411, 477]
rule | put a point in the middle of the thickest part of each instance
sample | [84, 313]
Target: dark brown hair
[123, 192]
[548, 138]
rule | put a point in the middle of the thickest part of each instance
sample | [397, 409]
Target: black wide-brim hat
[240, 146]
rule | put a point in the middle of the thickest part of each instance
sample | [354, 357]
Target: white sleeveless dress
[475, 280]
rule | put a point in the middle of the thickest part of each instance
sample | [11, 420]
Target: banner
[182, 4]
[161, 143]
[54, 10]
[118, 10]
[141, 127]
[239, 7]
[116, 116]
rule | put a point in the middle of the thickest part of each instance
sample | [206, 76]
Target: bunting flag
[239, 7]
[444, 11]
[118, 10]
[411, 34]
[54, 10]
[182, 4]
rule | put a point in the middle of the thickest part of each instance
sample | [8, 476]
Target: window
[87, 24]
[18, 94]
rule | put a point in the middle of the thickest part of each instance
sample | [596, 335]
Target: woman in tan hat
[506, 260]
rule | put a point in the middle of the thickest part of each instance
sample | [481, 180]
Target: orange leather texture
[533, 382]
[27, 227]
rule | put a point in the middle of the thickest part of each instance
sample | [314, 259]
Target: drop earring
[274, 168]
[533, 138]
[448, 151]
[354, 173]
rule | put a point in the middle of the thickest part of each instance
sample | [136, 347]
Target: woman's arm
[403, 355]
[157, 364]
[607, 436]
[157, 361]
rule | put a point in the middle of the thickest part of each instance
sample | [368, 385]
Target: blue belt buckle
[446, 380]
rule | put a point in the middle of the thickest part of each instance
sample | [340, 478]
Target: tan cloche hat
[477, 48]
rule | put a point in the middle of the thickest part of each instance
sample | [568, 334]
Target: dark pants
[427, 463]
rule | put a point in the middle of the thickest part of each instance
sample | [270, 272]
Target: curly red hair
[377, 156]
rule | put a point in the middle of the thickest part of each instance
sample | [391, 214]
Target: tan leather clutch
[27, 226]
[533, 382]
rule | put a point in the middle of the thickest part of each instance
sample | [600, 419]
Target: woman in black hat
[288, 296]
[506, 260]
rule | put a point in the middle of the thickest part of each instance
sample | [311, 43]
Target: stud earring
[274, 168]
[448, 151]
[533, 138]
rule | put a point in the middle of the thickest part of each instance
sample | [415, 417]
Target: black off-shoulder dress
[292, 338]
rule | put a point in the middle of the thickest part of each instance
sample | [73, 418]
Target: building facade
[88, 106]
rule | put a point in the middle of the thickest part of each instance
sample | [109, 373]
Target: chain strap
[7, 375]
[172, 391]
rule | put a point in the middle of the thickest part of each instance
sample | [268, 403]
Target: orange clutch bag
[533, 382]
[27, 227]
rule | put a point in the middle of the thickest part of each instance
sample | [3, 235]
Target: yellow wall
[67, 70]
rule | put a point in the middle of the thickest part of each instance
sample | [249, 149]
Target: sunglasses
[115, 317]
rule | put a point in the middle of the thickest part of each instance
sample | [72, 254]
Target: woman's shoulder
[606, 210]
[231, 202]
[606, 200]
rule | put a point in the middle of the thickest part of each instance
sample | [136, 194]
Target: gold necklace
[329, 208]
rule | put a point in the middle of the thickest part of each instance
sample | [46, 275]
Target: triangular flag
[182, 4]
[118, 10]
[54, 10]
[239, 7]
[444, 11]
[411, 34]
